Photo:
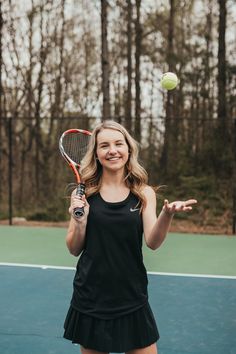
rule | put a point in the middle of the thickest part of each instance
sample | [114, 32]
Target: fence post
[234, 177]
[10, 170]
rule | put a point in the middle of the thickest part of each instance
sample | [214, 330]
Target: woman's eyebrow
[107, 142]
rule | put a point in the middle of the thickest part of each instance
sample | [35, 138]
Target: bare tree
[128, 98]
[166, 153]
[1, 89]
[222, 110]
[138, 49]
[105, 62]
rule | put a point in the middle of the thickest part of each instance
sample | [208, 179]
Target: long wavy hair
[135, 176]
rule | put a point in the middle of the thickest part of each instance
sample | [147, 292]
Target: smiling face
[112, 149]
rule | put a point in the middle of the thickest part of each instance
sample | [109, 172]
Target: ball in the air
[169, 81]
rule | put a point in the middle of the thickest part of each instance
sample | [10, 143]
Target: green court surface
[180, 253]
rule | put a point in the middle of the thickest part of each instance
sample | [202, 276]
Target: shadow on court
[194, 314]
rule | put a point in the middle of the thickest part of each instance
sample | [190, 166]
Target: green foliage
[4, 215]
[213, 198]
[47, 215]
[55, 211]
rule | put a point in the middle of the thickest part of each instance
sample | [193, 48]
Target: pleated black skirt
[132, 331]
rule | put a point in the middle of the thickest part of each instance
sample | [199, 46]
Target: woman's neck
[113, 179]
[113, 187]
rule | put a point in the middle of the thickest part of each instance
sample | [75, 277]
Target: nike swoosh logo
[134, 209]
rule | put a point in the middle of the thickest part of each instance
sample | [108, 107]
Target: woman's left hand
[177, 206]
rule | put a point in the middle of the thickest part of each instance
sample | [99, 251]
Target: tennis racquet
[73, 146]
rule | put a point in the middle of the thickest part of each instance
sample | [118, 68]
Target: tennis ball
[169, 81]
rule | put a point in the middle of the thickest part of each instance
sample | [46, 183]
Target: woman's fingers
[178, 205]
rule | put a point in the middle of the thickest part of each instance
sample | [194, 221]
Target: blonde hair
[91, 170]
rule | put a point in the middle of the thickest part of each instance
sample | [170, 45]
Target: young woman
[109, 310]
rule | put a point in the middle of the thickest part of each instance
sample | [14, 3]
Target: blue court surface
[195, 313]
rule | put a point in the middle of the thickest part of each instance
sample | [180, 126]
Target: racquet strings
[75, 145]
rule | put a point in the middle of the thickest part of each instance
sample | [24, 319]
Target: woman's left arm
[156, 228]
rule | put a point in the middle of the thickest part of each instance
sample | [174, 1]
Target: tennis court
[192, 291]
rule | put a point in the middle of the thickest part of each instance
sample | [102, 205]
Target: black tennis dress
[109, 309]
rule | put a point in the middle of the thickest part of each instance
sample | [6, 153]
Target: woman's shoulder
[148, 191]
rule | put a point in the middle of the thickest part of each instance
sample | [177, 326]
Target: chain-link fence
[35, 181]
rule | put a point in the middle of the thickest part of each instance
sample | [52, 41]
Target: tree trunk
[222, 111]
[138, 43]
[37, 129]
[105, 63]
[1, 95]
[166, 153]
[128, 98]
[223, 137]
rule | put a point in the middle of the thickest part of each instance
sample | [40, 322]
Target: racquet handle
[78, 212]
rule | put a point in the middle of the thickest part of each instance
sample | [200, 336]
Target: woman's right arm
[75, 237]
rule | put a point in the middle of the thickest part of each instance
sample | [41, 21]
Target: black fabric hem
[114, 350]
[133, 331]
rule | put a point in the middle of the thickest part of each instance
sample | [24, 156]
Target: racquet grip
[78, 212]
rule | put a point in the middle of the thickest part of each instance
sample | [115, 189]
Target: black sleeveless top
[111, 279]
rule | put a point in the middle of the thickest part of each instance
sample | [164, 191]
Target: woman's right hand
[78, 202]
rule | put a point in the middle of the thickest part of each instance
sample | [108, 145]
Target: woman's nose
[112, 149]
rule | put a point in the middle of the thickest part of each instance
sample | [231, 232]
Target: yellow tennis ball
[169, 81]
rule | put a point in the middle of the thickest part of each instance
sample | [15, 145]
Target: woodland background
[73, 63]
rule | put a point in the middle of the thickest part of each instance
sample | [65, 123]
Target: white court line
[194, 275]
[44, 266]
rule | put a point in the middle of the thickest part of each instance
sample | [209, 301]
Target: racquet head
[73, 145]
